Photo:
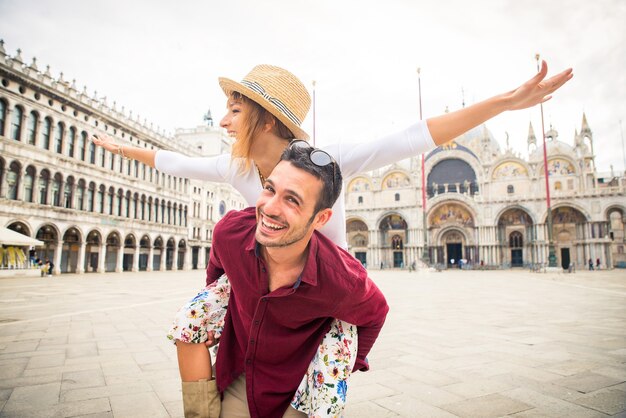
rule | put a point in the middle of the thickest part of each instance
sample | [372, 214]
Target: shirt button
[263, 269]
[256, 323]
[252, 342]
[248, 361]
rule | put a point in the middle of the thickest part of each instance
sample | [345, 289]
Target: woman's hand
[105, 141]
[537, 89]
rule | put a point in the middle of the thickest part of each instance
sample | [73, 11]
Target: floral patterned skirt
[322, 391]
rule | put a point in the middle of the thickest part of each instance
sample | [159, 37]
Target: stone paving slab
[455, 344]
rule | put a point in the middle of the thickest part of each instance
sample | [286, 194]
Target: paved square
[456, 344]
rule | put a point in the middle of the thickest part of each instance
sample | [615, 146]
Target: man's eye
[292, 200]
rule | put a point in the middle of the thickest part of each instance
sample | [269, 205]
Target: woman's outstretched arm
[537, 90]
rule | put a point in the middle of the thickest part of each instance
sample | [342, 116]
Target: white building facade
[488, 206]
[94, 211]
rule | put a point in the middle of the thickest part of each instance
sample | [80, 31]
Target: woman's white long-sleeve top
[352, 159]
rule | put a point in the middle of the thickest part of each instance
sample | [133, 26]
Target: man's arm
[366, 308]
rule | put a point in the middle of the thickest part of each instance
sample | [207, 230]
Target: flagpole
[551, 251]
[313, 112]
[425, 256]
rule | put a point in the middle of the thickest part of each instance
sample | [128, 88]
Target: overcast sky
[161, 59]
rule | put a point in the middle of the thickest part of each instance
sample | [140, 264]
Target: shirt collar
[309, 273]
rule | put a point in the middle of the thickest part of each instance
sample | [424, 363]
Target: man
[288, 282]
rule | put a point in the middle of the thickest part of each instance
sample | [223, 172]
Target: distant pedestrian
[590, 264]
[598, 263]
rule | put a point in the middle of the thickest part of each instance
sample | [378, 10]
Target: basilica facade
[93, 210]
[487, 206]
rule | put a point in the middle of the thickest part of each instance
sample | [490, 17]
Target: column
[80, 268]
[102, 257]
[4, 187]
[187, 263]
[150, 258]
[175, 258]
[119, 264]
[163, 257]
[58, 250]
[135, 266]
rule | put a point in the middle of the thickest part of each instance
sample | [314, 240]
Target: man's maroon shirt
[273, 336]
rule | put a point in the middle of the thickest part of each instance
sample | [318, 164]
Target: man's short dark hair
[329, 174]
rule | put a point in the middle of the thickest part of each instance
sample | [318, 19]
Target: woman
[264, 113]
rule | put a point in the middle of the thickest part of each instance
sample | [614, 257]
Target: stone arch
[395, 179]
[144, 252]
[49, 234]
[159, 252]
[509, 168]
[359, 184]
[93, 244]
[393, 228]
[170, 247]
[113, 246]
[182, 250]
[130, 244]
[452, 175]
[20, 227]
[72, 240]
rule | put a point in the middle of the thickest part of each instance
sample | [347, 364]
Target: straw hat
[277, 91]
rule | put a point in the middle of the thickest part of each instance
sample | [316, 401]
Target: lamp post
[551, 252]
[425, 256]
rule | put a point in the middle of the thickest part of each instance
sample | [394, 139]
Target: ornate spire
[532, 139]
[18, 57]
[2, 51]
[585, 130]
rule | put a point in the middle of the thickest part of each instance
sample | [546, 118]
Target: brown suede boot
[201, 399]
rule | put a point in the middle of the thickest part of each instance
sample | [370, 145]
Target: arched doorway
[129, 252]
[71, 249]
[169, 254]
[358, 239]
[144, 253]
[393, 230]
[443, 220]
[47, 234]
[453, 243]
[92, 251]
[182, 249]
[568, 231]
[617, 228]
[158, 253]
[515, 236]
[113, 247]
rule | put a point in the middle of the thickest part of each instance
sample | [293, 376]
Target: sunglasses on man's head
[317, 156]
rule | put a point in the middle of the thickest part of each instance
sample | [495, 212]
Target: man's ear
[322, 217]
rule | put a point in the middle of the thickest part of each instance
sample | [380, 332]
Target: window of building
[558, 185]
[91, 196]
[570, 184]
[16, 123]
[44, 181]
[3, 115]
[31, 128]
[82, 143]
[29, 181]
[360, 200]
[80, 195]
[397, 197]
[68, 192]
[516, 240]
[46, 132]
[58, 138]
[56, 189]
[71, 140]
[13, 180]
[92, 152]
[510, 189]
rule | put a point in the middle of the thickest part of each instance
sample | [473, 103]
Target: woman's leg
[194, 361]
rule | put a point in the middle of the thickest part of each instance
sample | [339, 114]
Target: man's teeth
[272, 225]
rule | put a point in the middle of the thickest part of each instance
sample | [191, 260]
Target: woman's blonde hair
[256, 116]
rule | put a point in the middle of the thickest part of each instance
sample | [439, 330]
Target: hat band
[276, 102]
